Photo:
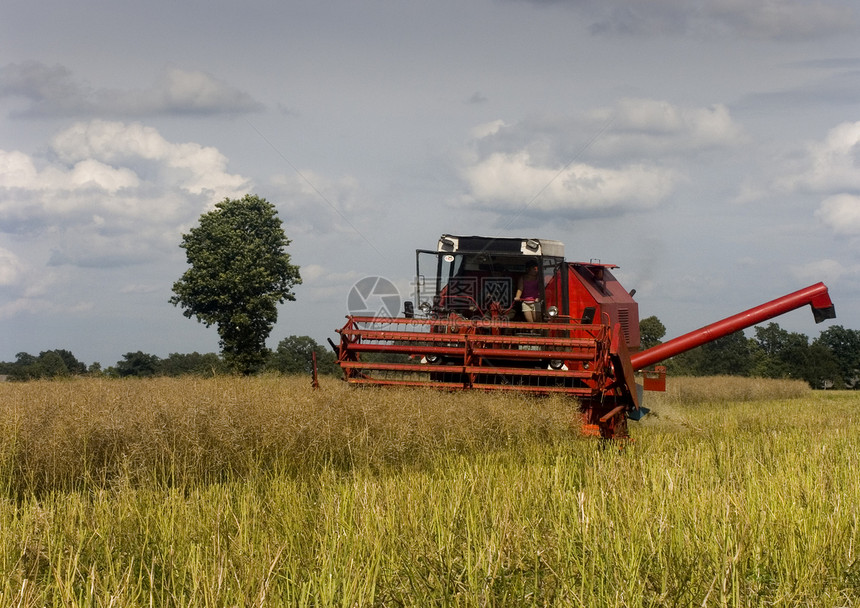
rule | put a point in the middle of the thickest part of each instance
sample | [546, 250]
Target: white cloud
[831, 165]
[193, 91]
[53, 91]
[487, 129]
[187, 166]
[827, 168]
[547, 164]
[658, 116]
[17, 170]
[92, 173]
[841, 213]
[514, 181]
[652, 126]
[194, 168]
[124, 189]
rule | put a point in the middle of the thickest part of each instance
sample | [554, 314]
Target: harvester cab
[477, 277]
[469, 330]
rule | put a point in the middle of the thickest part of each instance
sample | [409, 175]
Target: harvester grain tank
[465, 329]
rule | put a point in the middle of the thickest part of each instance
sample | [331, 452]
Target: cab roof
[450, 243]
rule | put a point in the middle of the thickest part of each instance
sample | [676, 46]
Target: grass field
[264, 492]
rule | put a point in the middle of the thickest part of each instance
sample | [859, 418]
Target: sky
[710, 148]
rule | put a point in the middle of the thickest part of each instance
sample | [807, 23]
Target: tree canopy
[239, 272]
[138, 364]
[651, 332]
[844, 344]
[57, 363]
[294, 355]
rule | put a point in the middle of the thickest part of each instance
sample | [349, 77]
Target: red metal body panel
[593, 286]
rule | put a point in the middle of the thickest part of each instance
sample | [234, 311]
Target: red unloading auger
[814, 295]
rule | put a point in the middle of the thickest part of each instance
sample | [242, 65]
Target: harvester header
[499, 313]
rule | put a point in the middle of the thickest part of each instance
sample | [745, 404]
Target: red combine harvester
[467, 330]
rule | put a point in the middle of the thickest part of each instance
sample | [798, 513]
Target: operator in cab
[528, 291]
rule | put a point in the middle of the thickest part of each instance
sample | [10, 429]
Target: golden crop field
[265, 492]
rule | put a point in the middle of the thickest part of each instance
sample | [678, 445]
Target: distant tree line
[294, 355]
[830, 361]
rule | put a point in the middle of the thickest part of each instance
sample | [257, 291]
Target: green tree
[240, 271]
[729, 355]
[52, 364]
[26, 367]
[780, 353]
[651, 332]
[822, 368]
[770, 341]
[138, 364]
[294, 355]
[845, 346]
[74, 366]
[49, 364]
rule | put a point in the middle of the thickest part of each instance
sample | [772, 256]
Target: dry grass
[63, 435]
[717, 389]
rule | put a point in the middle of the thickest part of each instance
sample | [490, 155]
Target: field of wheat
[265, 492]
